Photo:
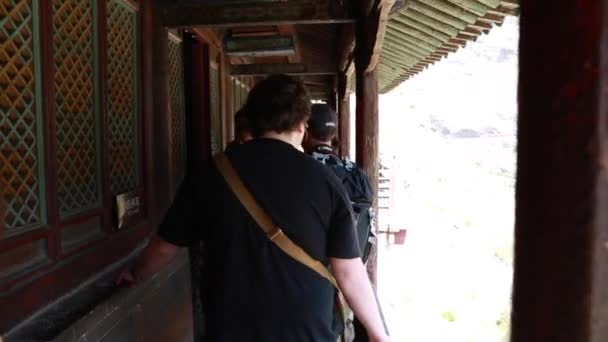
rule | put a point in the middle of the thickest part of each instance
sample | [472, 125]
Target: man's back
[358, 189]
[249, 280]
[251, 290]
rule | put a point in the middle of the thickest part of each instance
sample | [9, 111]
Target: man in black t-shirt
[320, 144]
[322, 129]
[253, 291]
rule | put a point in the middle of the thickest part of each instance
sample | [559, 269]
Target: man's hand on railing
[157, 254]
[380, 339]
[352, 279]
[126, 278]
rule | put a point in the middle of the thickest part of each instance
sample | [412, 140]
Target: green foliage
[504, 324]
[448, 316]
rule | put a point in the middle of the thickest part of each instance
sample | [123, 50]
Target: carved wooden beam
[251, 14]
[282, 68]
[373, 27]
[346, 47]
[209, 37]
[289, 30]
[259, 46]
[318, 89]
[319, 95]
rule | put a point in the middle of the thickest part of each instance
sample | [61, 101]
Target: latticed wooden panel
[122, 96]
[75, 110]
[216, 114]
[21, 193]
[178, 117]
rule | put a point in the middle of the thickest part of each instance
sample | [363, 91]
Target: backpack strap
[272, 231]
[328, 159]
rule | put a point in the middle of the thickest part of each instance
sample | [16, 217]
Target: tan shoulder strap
[274, 233]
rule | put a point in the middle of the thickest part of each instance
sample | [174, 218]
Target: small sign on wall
[128, 209]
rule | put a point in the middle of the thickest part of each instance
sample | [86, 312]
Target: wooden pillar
[369, 29]
[227, 102]
[332, 101]
[367, 141]
[156, 116]
[561, 254]
[196, 81]
[367, 152]
[344, 116]
[197, 102]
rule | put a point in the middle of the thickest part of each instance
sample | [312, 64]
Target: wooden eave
[425, 31]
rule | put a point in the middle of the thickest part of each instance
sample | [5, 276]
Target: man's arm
[157, 254]
[357, 289]
[177, 229]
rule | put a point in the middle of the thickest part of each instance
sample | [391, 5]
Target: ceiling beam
[252, 14]
[371, 29]
[259, 46]
[284, 68]
[289, 30]
[318, 90]
[310, 83]
[346, 46]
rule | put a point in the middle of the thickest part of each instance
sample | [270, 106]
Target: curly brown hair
[277, 104]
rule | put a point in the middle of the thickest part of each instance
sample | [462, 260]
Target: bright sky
[465, 90]
[451, 280]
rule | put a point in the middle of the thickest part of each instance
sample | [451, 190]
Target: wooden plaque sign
[128, 209]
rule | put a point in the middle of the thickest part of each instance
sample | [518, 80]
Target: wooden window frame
[50, 231]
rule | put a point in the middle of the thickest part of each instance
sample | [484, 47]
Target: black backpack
[359, 190]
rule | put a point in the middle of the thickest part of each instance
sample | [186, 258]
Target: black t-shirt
[253, 291]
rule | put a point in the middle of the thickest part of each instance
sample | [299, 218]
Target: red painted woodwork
[63, 270]
[48, 284]
[367, 141]
[561, 252]
[343, 116]
[197, 104]
[150, 24]
[107, 197]
[51, 167]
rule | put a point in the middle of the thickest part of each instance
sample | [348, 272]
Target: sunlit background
[447, 145]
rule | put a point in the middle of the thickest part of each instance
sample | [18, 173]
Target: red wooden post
[367, 128]
[149, 28]
[197, 104]
[369, 31]
[367, 120]
[156, 118]
[345, 127]
[367, 140]
[226, 99]
[561, 254]
[343, 116]
[2, 208]
[333, 101]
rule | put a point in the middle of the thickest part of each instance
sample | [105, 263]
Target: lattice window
[21, 155]
[122, 101]
[216, 113]
[75, 105]
[178, 117]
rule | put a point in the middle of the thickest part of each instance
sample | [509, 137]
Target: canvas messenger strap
[272, 231]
